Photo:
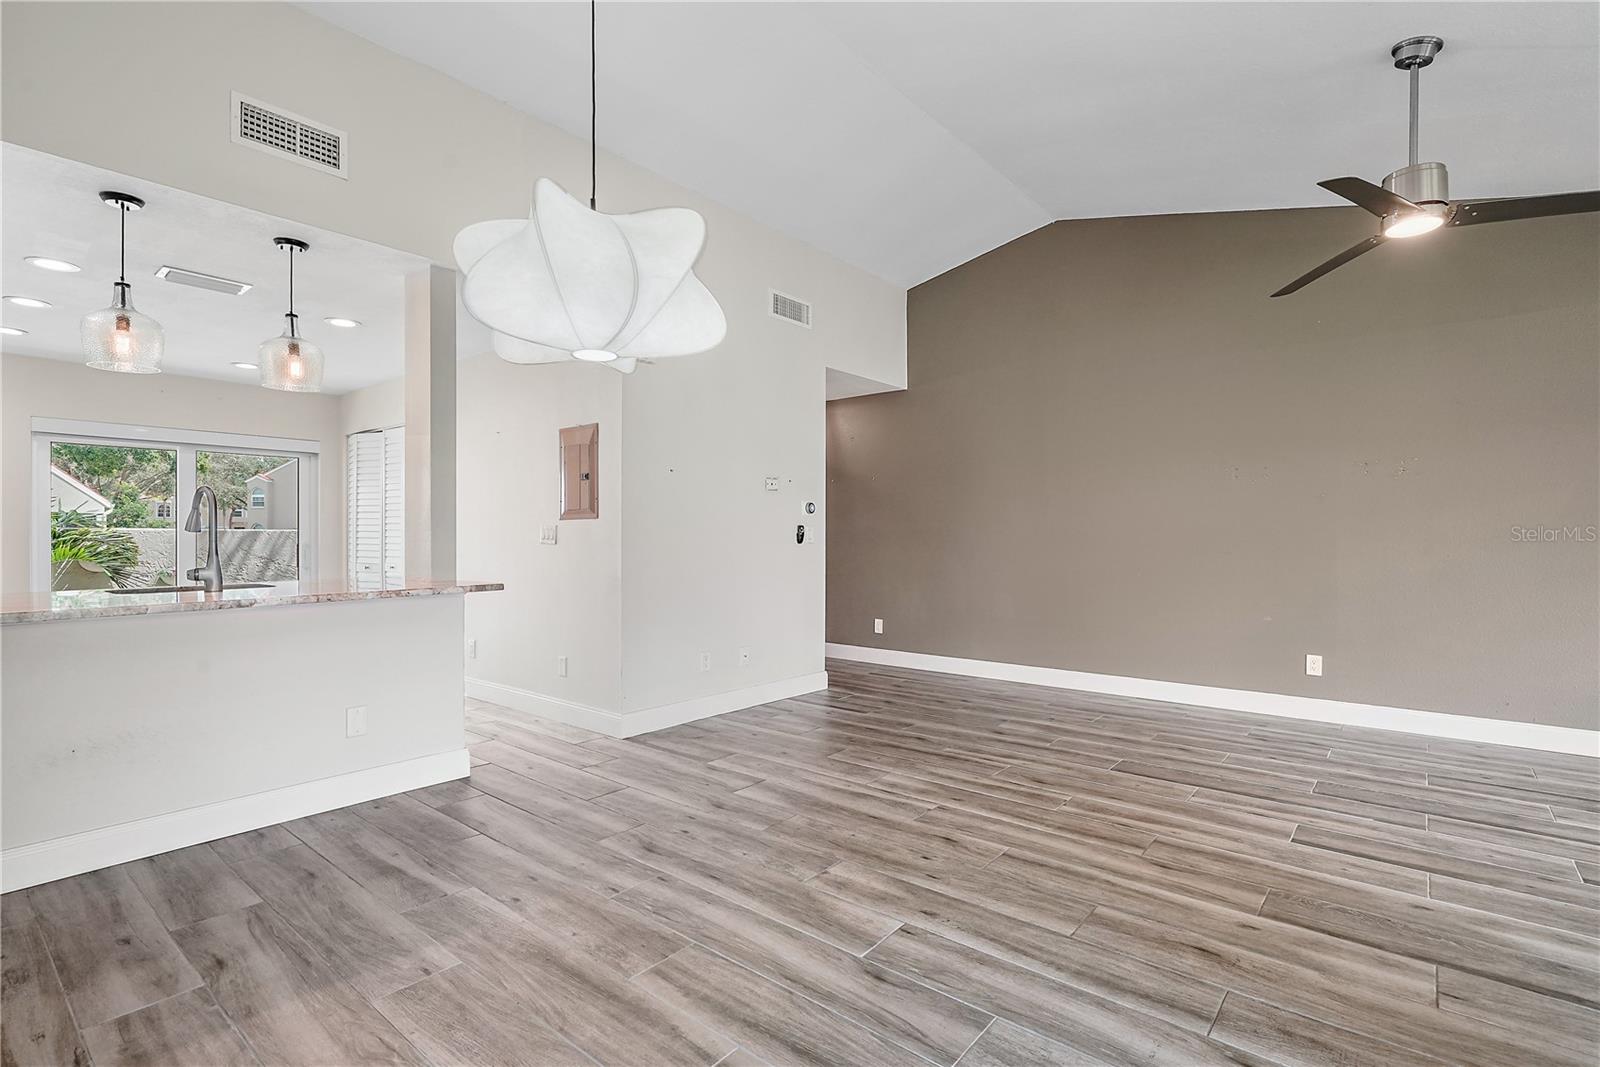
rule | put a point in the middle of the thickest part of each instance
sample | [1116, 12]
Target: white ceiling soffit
[907, 138]
[52, 208]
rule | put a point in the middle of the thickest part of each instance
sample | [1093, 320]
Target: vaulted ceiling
[907, 138]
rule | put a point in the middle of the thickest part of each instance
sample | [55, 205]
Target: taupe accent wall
[1118, 455]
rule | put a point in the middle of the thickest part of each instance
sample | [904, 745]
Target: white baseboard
[648, 720]
[61, 857]
[1432, 723]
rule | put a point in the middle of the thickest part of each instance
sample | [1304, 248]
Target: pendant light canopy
[289, 362]
[571, 282]
[119, 338]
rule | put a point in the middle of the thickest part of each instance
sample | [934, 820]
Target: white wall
[707, 558]
[375, 407]
[562, 599]
[51, 388]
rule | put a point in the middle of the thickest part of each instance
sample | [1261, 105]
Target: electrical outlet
[472, 648]
[561, 666]
[705, 661]
[1314, 665]
[772, 485]
[877, 626]
[744, 657]
[355, 721]
[547, 535]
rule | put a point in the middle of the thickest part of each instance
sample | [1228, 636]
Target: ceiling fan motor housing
[1421, 183]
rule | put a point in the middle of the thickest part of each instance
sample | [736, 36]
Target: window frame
[185, 442]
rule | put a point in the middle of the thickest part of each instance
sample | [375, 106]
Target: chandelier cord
[593, 108]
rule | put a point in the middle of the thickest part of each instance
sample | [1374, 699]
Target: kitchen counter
[105, 604]
[124, 741]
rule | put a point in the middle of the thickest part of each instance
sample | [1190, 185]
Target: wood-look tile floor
[905, 869]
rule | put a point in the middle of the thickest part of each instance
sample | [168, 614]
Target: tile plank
[570, 855]
[287, 1002]
[890, 1005]
[773, 1023]
[36, 1026]
[112, 952]
[189, 885]
[458, 1016]
[1080, 1020]
[186, 1029]
[393, 872]
[559, 985]
[364, 942]
[579, 816]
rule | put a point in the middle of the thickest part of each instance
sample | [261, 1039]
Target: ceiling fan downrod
[1420, 183]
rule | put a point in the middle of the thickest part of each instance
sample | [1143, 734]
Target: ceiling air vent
[289, 136]
[790, 309]
[179, 276]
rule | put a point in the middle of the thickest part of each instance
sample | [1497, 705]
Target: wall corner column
[430, 434]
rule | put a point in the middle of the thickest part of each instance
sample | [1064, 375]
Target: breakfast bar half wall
[136, 724]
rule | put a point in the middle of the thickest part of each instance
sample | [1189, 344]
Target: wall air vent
[179, 276]
[289, 136]
[790, 309]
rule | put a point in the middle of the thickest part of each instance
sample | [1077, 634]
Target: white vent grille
[289, 136]
[180, 276]
[791, 309]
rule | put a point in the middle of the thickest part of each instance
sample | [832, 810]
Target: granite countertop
[105, 604]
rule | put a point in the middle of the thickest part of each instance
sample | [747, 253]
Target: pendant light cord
[122, 262]
[291, 279]
[593, 109]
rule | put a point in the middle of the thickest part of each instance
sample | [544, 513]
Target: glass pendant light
[118, 338]
[289, 362]
[571, 282]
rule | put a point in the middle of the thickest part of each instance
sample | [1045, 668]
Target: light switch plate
[877, 626]
[547, 535]
[355, 721]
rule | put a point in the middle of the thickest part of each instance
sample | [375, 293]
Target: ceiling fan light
[594, 355]
[1412, 224]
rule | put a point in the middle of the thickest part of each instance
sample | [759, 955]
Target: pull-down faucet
[210, 575]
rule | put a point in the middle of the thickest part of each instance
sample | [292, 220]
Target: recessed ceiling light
[12, 331]
[247, 366]
[60, 266]
[27, 302]
[348, 324]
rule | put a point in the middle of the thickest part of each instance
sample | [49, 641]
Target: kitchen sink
[187, 588]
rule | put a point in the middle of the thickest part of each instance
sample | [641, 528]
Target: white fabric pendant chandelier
[571, 282]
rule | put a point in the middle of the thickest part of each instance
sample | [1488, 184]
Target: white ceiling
[907, 138]
[52, 208]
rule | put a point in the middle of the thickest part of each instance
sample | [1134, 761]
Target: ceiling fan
[1415, 199]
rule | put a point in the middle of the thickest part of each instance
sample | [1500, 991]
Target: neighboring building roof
[84, 489]
[267, 475]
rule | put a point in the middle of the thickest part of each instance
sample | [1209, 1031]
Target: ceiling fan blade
[1473, 212]
[1333, 264]
[1375, 198]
